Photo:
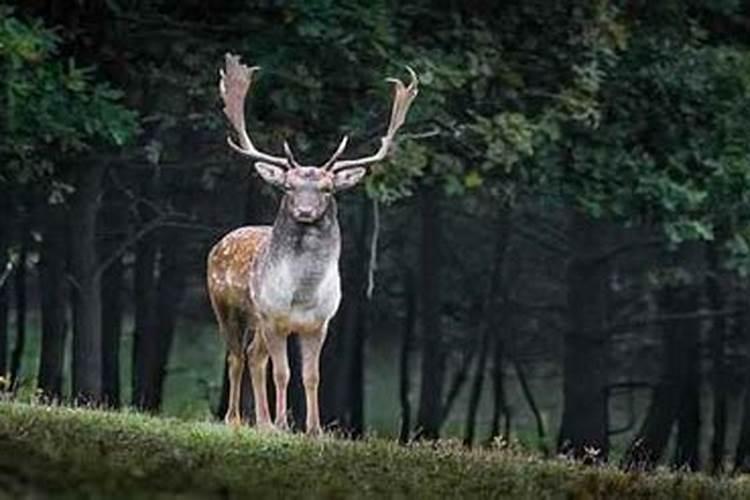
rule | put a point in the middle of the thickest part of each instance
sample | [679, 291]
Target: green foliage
[93, 453]
[49, 105]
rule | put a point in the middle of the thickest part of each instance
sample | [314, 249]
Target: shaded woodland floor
[64, 452]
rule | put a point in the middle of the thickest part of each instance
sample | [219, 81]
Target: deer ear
[348, 178]
[271, 173]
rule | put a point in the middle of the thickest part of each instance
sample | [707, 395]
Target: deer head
[308, 189]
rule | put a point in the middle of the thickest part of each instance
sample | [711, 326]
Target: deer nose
[305, 213]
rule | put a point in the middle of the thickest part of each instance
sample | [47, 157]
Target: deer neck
[291, 238]
[298, 280]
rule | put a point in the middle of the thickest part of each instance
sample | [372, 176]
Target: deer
[267, 282]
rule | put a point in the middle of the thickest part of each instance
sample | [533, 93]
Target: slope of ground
[57, 451]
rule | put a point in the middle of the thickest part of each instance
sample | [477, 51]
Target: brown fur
[230, 267]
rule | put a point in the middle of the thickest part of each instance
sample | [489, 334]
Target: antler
[336, 154]
[290, 156]
[403, 96]
[235, 81]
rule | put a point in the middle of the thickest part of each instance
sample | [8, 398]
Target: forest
[556, 252]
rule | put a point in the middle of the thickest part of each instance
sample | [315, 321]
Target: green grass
[88, 453]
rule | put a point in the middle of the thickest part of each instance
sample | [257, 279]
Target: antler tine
[335, 156]
[290, 156]
[234, 84]
[403, 97]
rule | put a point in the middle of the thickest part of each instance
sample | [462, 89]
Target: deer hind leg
[257, 363]
[311, 345]
[276, 345]
[236, 364]
[229, 330]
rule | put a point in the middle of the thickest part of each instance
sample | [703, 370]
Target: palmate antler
[403, 96]
[236, 79]
[235, 82]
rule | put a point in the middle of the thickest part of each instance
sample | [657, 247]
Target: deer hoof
[314, 431]
[233, 421]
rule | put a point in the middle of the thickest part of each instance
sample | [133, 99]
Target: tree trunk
[586, 347]
[742, 453]
[680, 341]
[19, 282]
[407, 342]
[154, 347]
[357, 368]
[429, 413]
[113, 284]
[54, 290]
[487, 324]
[476, 387]
[687, 452]
[333, 366]
[342, 364]
[170, 292]
[529, 396]
[499, 400]
[296, 386]
[4, 246]
[720, 379]
[87, 307]
[359, 333]
[144, 347]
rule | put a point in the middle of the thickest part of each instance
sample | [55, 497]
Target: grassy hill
[75, 453]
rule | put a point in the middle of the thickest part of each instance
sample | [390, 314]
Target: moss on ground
[74, 453]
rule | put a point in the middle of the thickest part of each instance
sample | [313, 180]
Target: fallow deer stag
[266, 282]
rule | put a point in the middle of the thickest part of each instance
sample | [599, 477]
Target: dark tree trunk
[357, 369]
[529, 396]
[487, 325]
[112, 320]
[333, 366]
[476, 387]
[296, 387]
[687, 452]
[407, 342]
[170, 292]
[87, 307]
[154, 348]
[54, 290]
[20, 304]
[499, 400]
[432, 373]
[720, 379]
[4, 245]
[359, 332]
[144, 347]
[460, 377]
[342, 365]
[741, 329]
[113, 285]
[681, 337]
[586, 346]
[742, 455]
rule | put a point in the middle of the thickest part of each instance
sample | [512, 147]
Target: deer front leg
[311, 345]
[236, 364]
[276, 345]
[257, 362]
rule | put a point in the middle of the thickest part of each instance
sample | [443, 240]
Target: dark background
[562, 247]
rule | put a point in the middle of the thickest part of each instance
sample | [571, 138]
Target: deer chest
[298, 291]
